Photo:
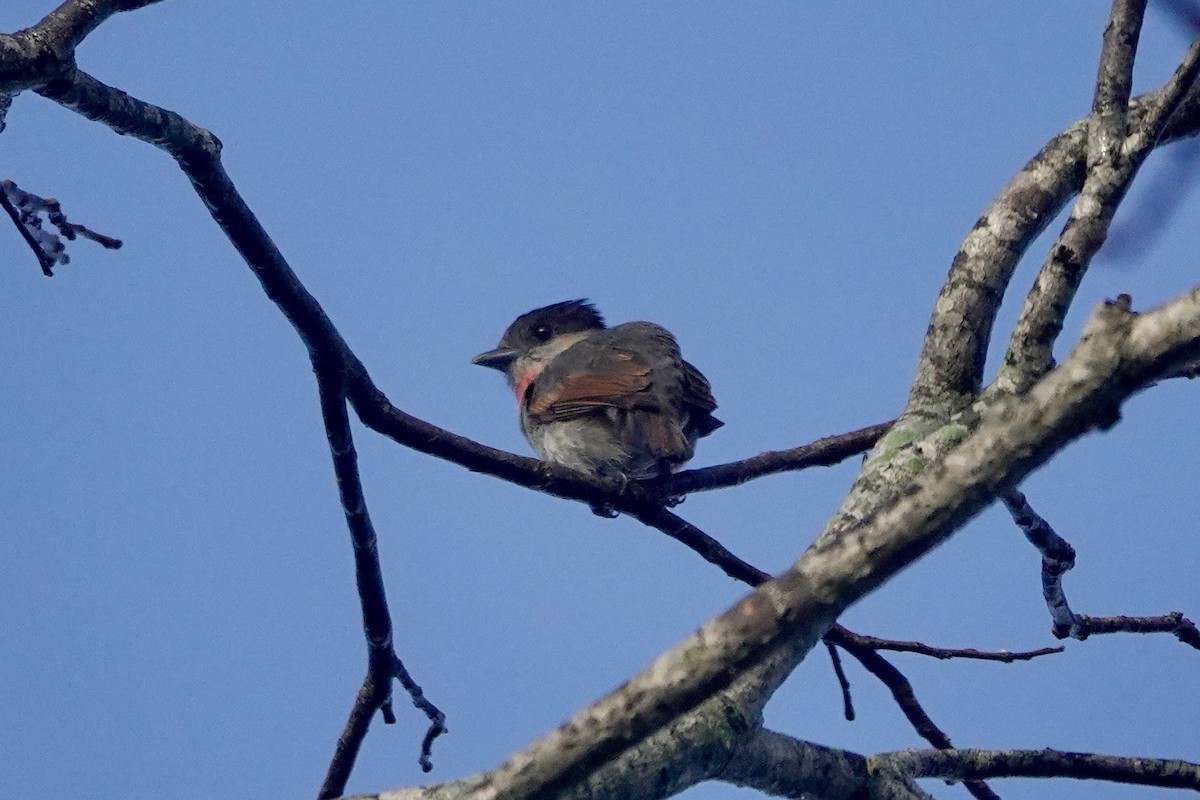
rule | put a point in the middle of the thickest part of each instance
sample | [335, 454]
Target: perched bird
[611, 402]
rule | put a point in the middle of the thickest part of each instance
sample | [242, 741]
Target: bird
[614, 403]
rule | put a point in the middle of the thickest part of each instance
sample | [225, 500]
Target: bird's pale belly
[590, 445]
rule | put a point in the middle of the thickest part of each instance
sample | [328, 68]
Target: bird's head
[536, 337]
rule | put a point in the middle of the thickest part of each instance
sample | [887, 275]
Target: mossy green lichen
[953, 433]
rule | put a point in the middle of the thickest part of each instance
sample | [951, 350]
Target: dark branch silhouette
[383, 665]
[821, 453]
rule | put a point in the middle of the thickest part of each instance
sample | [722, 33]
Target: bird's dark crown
[542, 324]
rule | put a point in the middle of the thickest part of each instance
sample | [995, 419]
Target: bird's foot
[619, 482]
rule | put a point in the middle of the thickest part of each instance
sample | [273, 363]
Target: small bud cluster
[26, 210]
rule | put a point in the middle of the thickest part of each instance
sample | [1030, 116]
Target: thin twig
[25, 209]
[823, 452]
[843, 681]
[1003, 656]
[45, 261]
[906, 698]
[700, 542]
[1174, 623]
[1057, 558]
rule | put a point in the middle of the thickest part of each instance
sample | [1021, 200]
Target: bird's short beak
[499, 358]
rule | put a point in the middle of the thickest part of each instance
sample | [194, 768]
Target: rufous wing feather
[607, 380]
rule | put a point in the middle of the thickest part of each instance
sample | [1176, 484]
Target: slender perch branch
[383, 665]
[968, 764]
[822, 453]
[1057, 557]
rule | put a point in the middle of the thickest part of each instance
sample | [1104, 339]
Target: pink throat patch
[521, 385]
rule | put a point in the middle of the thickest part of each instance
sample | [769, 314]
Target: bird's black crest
[572, 316]
[580, 312]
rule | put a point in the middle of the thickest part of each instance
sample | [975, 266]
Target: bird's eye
[542, 333]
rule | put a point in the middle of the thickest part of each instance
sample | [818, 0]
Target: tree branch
[25, 210]
[1111, 170]
[31, 57]
[1173, 622]
[950, 368]
[970, 764]
[1057, 557]
[1114, 81]
[906, 698]
[944, 653]
[822, 453]
[863, 648]
[383, 665]
[783, 766]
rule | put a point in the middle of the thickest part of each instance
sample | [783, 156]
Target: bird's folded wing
[586, 378]
[696, 389]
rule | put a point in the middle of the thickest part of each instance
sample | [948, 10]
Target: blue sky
[781, 185]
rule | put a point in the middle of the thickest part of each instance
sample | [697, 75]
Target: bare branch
[46, 248]
[1190, 371]
[1114, 81]
[1030, 351]
[700, 542]
[1174, 623]
[950, 368]
[383, 665]
[863, 648]
[68, 25]
[187, 143]
[1163, 106]
[941, 409]
[784, 766]
[952, 356]
[968, 764]
[822, 453]
[1057, 558]
[906, 698]
[34, 56]
[843, 681]
[944, 653]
